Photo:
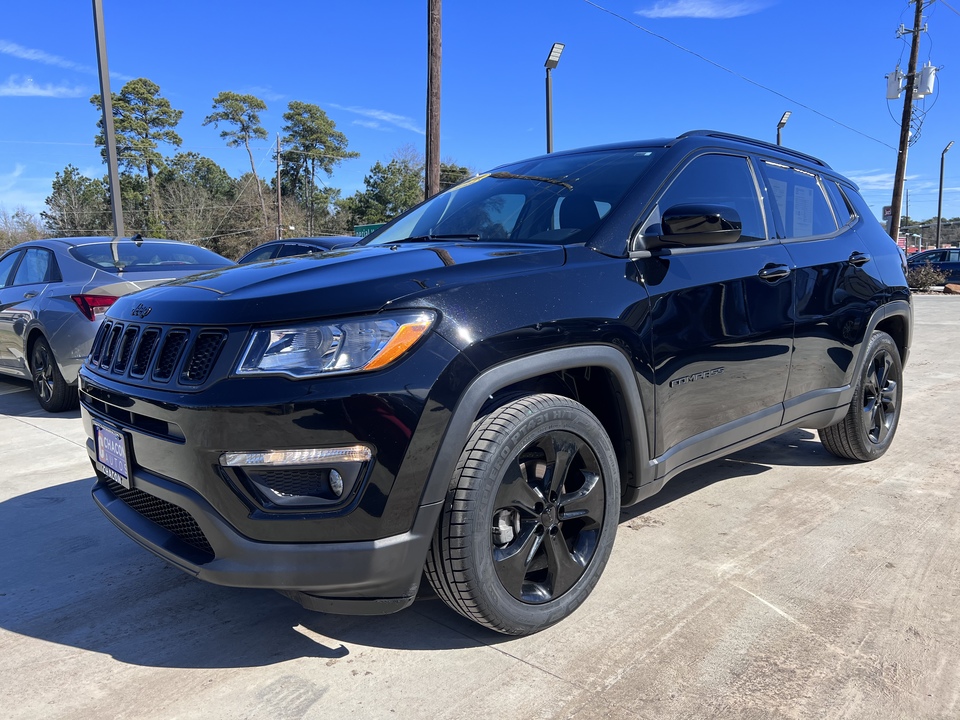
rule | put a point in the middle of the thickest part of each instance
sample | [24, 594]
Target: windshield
[558, 199]
[128, 256]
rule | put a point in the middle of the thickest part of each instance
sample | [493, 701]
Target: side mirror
[695, 225]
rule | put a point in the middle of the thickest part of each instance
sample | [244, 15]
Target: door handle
[858, 258]
[772, 273]
[29, 294]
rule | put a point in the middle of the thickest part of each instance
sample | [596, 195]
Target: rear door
[951, 266]
[721, 318]
[837, 284]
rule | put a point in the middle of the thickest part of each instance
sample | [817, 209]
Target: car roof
[71, 242]
[711, 138]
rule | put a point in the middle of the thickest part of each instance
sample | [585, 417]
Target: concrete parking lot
[779, 582]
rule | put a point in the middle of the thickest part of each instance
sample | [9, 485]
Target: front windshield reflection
[559, 199]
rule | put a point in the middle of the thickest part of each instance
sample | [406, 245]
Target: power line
[948, 6]
[736, 74]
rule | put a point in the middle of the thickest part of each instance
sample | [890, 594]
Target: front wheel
[868, 428]
[530, 517]
[52, 391]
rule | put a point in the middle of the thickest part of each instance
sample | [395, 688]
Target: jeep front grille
[161, 354]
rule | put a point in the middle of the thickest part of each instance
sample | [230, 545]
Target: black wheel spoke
[565, 448]
[585, 503]
[563, 568]
[516, 491]
[512, 561]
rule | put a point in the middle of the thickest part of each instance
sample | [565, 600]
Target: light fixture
[553, 59]
[783, 121]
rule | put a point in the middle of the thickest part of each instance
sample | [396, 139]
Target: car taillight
[93, 306]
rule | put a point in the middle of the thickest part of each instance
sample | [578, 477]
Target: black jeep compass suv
[476, 389]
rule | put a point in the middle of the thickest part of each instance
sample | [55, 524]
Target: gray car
[54, 292]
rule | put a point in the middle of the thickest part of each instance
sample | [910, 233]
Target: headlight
[343, 346]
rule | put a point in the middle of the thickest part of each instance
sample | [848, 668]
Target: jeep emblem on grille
[141, 311]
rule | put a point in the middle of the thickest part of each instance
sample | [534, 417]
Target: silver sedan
[54, 292]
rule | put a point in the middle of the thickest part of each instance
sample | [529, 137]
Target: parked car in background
[54, 292]
[289, 247]
[946, 260]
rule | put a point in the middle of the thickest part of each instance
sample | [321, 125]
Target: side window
[290, 249]
[38, 266]
[954, 256]
[841, 206]
[719, 180]
[266, 253]
[799, 202]
[6, 268]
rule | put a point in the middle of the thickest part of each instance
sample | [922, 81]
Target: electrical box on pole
[928, 75]
[894, 84]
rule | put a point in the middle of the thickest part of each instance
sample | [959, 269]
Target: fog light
[336, 483]
[303, 478]
[308, 456]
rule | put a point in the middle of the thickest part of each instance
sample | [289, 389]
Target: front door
[722, 319]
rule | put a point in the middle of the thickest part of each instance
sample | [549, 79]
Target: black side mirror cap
[694, 225]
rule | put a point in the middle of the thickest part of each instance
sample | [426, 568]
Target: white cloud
[704, 9]
[34, 55]
[264, 93]
[7, 180]
[400, 121]
[18, 191]
[15, 86]
[870, 180]
[372, 124]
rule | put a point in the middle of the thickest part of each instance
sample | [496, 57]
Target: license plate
[112, 454]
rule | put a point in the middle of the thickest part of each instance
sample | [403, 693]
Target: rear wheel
[530, 517]
[868, 428]
[53, 392]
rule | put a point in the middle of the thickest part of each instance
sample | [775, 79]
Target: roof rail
[758, 143]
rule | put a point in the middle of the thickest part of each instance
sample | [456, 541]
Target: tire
[868, 428]
[52, 391]
[519, 546]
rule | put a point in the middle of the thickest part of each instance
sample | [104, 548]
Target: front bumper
[368, 577]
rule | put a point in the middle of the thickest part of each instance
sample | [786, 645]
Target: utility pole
[279, 210]
[432, 157]
[106, 103]
[905, 120]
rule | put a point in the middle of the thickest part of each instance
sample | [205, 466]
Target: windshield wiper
[511, 176]
[431, 238]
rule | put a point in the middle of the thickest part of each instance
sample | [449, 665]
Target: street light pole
[943, 157]
[552, 60]
[783, 121]
[106, 103]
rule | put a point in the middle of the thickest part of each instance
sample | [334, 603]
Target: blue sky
[364, 62]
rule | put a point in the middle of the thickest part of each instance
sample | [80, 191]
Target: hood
[336, 283]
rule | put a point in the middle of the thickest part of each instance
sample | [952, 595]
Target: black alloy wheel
[530, 516]
[867, 429]
[52, 391]
[549, 511]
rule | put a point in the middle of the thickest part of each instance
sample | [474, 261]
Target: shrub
[922, 277]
